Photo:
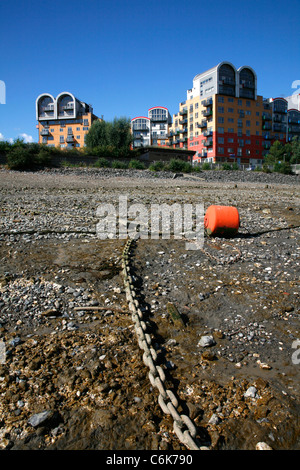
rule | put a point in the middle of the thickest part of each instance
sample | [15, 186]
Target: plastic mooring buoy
[221, 221]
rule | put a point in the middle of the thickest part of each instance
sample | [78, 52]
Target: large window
[158, 114]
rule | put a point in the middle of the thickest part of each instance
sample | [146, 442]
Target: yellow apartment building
[63, 121]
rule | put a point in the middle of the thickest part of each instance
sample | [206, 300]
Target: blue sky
[124, 57]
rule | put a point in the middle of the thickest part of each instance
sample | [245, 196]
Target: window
[230, 110]
[221, 130]
[230, 120]
[247, 133]
[51, 130]
[248, 123]
[240, 102]
[230, 140]
[248, 113]
[85, 122]
[220, 140]
[77, 128]
[220, 120]
[61, 138]
[78, 137]
[257, 113]
[230, 100]
[248, 142]
[220, 99]
[220, 109]
[230, 130]
[248, 103]
[220, 150]
[61, 130]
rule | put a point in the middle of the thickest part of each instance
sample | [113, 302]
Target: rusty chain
[183, 426]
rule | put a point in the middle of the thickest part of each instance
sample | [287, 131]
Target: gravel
[71, 354]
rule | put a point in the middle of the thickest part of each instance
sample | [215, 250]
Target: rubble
[71, 351]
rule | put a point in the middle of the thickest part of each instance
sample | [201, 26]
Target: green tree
[295, 145]
[115, 134]
[97, 135]
[276, 153]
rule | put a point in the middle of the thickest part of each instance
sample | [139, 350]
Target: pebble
[262, 446]
[39, 418]
[206, 341]
[250, 392]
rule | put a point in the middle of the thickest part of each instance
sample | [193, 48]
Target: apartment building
[63, 121]
[223, 118]
[153, 129]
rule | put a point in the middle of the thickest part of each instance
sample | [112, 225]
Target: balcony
[247, 84]
[207, 133]
[280, 110]
[184, 130]
[183, 111]
[70, 138]
[207, 102]
[267, 126]
[266, 145]
[201, 124]
[49, 108]
[68, 107]
[267, 137]
[267, 117]
[293, 120]
[294, 129]
[208, 142]
[183, 121]
[159, 118]
[207, 113]
[279, 128]
[277, 118]
[227, 81]
[45, 132]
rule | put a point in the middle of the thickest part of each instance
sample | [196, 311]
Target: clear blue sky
[124, 57]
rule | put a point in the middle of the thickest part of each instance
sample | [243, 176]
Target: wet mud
[70, 345]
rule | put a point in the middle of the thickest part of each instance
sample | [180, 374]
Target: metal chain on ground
[183, 426]
[230, 260]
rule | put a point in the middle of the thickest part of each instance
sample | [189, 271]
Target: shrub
[197, 169]
[226, 166]
[283, 167]
[235, 166]
[176, 165]
[102, 163]
[119, 165]
[157, 166]
[206, 166]
[26, 158]
[136, 164]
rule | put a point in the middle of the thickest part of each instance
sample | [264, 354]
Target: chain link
[183, 426]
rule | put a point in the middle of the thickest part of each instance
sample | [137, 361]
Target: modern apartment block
[151, 130]
[63, 121]
[223, 118]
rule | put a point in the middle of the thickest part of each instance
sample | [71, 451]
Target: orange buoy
[221, 221]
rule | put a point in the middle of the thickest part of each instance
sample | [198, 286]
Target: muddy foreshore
[71, 371]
